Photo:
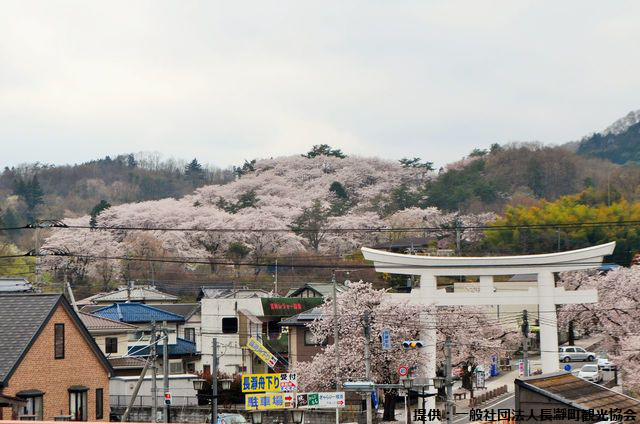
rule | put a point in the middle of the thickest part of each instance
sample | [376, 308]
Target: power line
[446, 228]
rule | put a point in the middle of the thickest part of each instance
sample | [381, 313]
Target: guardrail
[123, 401]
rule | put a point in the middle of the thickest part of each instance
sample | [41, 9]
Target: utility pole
[336, 335]
[525, 342]
[448, 380]
[154, 374]
[214, 382]
[367, 363]
[165, 370]
[276, 278]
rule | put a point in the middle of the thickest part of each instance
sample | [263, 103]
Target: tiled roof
[21, 317]
[186, 310]
[14, 284]
[181, 347]
[94, 322]
[129, 362]
[323, 289]
[577, 392]
[135, 294]
[226, 293]
[136, 313]
[302, 319]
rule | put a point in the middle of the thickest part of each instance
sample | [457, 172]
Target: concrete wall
[213, 311]
[179, 385]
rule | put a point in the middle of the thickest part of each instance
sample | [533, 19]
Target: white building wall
[231, 355]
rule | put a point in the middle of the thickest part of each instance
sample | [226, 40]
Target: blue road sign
[385, 336]
[567, 367]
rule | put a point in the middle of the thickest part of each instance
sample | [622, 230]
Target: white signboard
[329, 400]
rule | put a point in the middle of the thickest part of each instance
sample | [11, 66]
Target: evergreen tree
[97, 209]
[311, 224]
[194, 172]
[324, 150]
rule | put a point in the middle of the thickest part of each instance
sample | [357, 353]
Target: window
[206, 370]
[190, 334]
[59, 341]
[78, 404]
[175, 367]
[191, 368]
[33, 408]
[310, 339]
[99, 404]
[111, 345]
[230, 325]
[581, 350]
[570, 349]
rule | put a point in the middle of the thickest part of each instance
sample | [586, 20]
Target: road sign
[167, 398]
[262, 352]
[403, 370]
[262, 401]
[274, 382]
[521, 368]
[567, 367]
[385, 336]
[327, 400]
[480, 379]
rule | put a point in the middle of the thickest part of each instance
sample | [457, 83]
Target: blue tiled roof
[182, 347]
[136, 312]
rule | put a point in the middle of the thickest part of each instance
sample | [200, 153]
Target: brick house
[49, 360]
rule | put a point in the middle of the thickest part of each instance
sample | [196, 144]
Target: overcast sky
[232, 80]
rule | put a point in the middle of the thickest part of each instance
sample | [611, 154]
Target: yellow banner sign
[262, 352]
[262, 401]
[282, 382]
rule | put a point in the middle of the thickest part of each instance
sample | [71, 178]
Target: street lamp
[256, 417]
[198, 384]
[438, 382]
[297, 416]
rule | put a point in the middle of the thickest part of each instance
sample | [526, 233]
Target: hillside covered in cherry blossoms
[323, 193]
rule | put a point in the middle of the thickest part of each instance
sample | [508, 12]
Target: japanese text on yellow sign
[268, 401]
[283, 382]
[262, 352]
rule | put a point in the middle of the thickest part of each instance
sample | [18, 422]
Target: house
[579, 399]
[316, 290]
[131, 293]
[183, 353]
[111, 336]
[49, 360]
[302, 345]
[15, 285]
[234, 320]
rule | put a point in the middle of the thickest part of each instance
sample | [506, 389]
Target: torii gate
[546, 295]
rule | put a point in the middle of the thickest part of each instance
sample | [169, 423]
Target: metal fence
[123, 400]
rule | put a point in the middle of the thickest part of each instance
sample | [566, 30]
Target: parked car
[575, 353]
[591, 373]
[229, 419]
[604, 363]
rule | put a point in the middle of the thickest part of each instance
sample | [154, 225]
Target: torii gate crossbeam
[546, 295]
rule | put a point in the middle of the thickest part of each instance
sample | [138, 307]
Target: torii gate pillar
[546, 295]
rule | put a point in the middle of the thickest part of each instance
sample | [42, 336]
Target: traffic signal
[413, 344]
[167, 398]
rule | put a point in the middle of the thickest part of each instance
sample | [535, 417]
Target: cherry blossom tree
[616, 315]
[475, 338]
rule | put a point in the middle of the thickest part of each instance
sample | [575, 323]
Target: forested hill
[45, 191]
[620, 143]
